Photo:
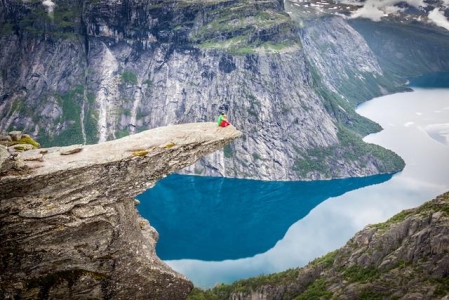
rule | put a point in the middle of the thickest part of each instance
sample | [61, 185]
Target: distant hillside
[406, 257]
[406, 50]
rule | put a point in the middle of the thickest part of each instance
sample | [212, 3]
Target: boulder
[15, 135]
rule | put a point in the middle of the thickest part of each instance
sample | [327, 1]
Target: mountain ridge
[405, 257]
[128, 67]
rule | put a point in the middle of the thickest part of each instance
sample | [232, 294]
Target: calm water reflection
[414, 127]
[221, 218]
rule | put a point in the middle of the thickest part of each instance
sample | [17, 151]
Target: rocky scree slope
[406, 257]
[92, 71]
[69, 228]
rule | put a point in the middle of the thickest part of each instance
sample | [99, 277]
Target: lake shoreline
[333, 221]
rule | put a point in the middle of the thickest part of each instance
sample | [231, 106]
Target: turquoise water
[216, 230]
[213, 219]
[432, 80]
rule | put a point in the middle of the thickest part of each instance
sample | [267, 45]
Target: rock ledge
[68, 223]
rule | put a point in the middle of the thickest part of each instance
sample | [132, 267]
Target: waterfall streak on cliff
[82, 116]
[136, 103]
[108, 91]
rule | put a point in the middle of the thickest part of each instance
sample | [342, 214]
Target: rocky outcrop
[69, 228]
[403, 258]
[100, 70]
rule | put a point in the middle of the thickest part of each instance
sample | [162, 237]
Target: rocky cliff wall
[69, 228]
[94, 71]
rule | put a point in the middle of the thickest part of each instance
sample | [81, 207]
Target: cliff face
[93, 71]
[409, 49]
[68, 223]
[403, 258]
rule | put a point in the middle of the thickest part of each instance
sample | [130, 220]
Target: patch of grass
[26, 140]
[256, 156]
[393, 220]
[358, 274]
[121, 133]
[317, 290]
[326, 260]
[141, 152]
[199, 294]
[129, 77]
[6, 29]
[169, 145]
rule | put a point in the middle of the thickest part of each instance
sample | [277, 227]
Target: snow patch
[438, 18]
[49, 7]
[376, 9]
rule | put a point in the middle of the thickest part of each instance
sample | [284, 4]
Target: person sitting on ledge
[223, 120]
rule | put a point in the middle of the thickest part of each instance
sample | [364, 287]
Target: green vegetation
[63, 22]
[242, 28]
[223, 291]
[351, 149]
[325, 261]
[342, 109]
[199, 294]
[169, 145]
[360, 274]
[317, 290]
[141, 152]
[227, 151]
[26, 139]
[70, 120]
[393, 220]
[121, 133]
[256, 156]
[425, 210]
[6, 29]
[129, 77]
[351, 128]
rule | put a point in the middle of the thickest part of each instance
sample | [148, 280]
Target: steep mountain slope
[406, 49]
[91, 71]
[403, 258]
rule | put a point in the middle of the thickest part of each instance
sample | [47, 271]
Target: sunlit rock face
[69, 227]
[101, 70]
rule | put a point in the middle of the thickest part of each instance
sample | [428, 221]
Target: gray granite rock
[69, 227]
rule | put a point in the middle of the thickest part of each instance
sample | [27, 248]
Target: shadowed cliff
[68, 223]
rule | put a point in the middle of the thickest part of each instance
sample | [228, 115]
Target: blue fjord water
[218, 230]
[214, 219]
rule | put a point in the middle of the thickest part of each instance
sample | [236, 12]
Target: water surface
[247, 231]
[214, 219]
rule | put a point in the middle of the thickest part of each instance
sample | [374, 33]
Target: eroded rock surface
[69, 228]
